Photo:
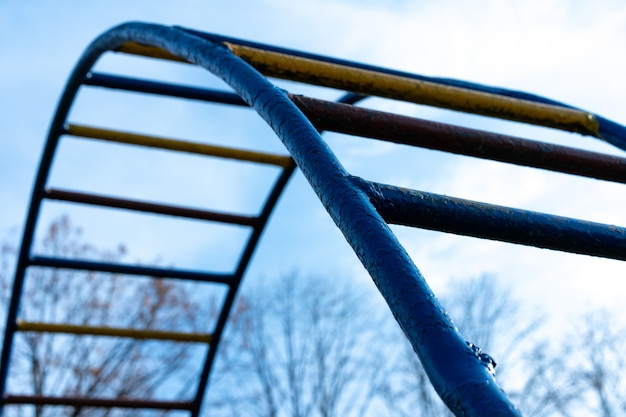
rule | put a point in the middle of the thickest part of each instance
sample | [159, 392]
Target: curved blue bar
[457, 374]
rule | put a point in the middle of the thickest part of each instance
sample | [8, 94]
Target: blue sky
[568, 50]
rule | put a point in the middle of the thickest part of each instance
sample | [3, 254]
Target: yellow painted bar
[176, 145]
[25, 326]
[149, 51]
[368, 82]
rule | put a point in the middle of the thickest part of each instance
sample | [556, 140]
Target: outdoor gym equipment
[361, 209]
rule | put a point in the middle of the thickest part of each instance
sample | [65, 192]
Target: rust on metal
[98, 402]
[99, 200]
[352, 120]
[368, 82]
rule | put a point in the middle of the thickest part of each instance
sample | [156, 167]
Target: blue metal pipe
[471, 218]
[368, 123]
[163, 89]
[459, 377]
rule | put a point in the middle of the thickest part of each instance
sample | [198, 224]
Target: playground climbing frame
[361, 209]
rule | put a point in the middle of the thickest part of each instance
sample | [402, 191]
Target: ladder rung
[471, 218]
[27, 326]
[46, 262]
[135, 48]
[163, 89]
[99, 200]
[176, 145]
[352, 120]
[357, 80]
[98, 402]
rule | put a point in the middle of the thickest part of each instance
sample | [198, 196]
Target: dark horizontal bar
[98, 402]
[342, 118]
[164, 89]
[151, 334]
[98, 200]
[351, 98]
[470, 218]
[46, 262]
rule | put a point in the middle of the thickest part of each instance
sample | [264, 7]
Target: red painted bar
[98, 402]
[352, 120]
[76, 197]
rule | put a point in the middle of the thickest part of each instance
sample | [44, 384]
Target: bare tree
[303, 350]
[70, 365]
[488, 317]
[595, 357]
[296, 346]
[307, 347]
[580, 373]
[546, 390]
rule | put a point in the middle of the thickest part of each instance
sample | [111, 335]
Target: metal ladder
[44, 192]
[361, 209]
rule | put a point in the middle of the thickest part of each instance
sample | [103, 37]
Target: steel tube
[104, 201]
[46, 262]
[609, 130]
[470, 218]
[352, 120]
[27, 326]
[98, 402]
[373, 83]
[162, 89]
[176, 145]
[457, 375]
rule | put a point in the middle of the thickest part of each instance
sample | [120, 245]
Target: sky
[567, 50]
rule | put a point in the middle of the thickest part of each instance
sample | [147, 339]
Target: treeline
[299, 345]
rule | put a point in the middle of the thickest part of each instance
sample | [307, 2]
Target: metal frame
[360, 209]
[82, 76]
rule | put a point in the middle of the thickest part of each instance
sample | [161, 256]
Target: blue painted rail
[361, 209]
